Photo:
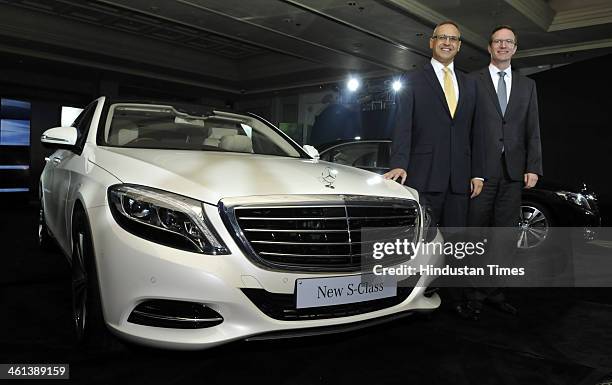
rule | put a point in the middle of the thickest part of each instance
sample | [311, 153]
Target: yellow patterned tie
[449, 91]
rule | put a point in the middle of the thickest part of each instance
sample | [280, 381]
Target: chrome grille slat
[293, 219]
[295, 231]
[312, 255]
[319, 243]
[313, 235]
[319, 219]
[308, 207]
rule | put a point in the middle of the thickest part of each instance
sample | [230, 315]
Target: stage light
[397, 85]
[352, 84]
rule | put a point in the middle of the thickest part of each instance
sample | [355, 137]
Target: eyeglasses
[509, 42]
[449, 38]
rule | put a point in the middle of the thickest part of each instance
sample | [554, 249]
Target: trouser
[449, 212]
[498, 205]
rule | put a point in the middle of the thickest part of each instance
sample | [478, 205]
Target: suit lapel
[514, 94]
[435, 85]
[485, 78]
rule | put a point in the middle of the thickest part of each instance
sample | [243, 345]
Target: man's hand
[476, 187]
[530, 180]
[396, 173]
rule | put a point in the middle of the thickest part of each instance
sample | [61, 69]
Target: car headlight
[575, 198]
[163, 217]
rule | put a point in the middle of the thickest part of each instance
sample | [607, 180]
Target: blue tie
[502, 94]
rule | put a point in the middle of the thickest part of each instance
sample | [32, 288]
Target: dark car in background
[543, 208]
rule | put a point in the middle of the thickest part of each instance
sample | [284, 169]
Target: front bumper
[132, 270]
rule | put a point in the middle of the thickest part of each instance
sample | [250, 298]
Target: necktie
[502, 95]
[449, 91]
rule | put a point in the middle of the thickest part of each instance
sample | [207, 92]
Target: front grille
[319, 235]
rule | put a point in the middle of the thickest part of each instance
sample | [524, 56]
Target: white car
[188, 227]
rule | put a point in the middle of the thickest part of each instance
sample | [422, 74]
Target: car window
[355, 154]
[164, 127]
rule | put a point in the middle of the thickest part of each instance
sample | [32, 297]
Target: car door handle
[56, 160]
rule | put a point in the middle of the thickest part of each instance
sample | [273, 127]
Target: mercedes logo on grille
[328, 177]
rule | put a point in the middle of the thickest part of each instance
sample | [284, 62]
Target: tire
[550, 259]
[88, 320]
[536, 226]
[45, 241]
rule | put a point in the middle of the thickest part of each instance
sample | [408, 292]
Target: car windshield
[164, 127]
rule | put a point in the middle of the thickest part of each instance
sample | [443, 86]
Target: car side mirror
[311, 151]
[60, 137]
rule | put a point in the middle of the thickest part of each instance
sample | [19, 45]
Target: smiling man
[435, 149]
[507, 111]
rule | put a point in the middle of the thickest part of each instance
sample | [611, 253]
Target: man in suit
[507, 111]
[436, 147]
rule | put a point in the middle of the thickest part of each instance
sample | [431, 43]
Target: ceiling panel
[254, 45]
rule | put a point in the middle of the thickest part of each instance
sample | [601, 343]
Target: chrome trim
[178, 319]
[227, 207]
[305, 206]
[47, 137]
[311, 255]
[295, 231]
[315, 218]
[349, 242]
[293, 219]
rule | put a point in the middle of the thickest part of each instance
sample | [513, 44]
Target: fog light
[165, 313]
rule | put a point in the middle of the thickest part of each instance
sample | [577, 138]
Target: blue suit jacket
[435, 149]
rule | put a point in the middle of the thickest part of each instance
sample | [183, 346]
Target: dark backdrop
[576, 123]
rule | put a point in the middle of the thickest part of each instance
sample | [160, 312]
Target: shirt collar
[494, 70]
[437, 66]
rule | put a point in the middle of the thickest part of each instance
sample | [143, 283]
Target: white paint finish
[132, 269]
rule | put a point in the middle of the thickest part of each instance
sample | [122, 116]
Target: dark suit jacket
[428, 143]
[517, 131]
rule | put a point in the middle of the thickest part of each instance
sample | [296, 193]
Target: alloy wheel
[533, 226]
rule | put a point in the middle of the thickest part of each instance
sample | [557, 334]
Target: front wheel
[87, 316]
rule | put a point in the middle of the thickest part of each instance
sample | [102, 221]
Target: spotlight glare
[352, 84]
[397, 85]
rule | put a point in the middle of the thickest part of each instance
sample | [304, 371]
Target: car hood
[212, 176]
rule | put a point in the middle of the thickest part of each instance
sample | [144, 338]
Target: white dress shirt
[439, 70]
[507, 79]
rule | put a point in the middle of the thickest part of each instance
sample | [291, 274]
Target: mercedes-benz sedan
[188, 227]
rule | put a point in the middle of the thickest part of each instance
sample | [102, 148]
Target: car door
[66, 162]
[49, 198]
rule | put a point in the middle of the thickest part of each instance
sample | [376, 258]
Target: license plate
[316, 292]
